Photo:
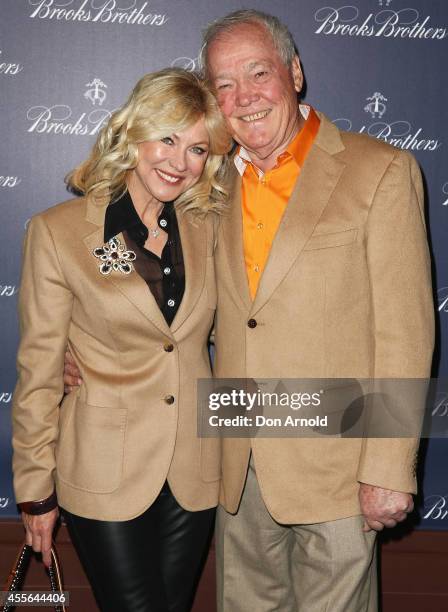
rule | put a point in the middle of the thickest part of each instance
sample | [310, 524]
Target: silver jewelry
[114, 257]
[154, 232]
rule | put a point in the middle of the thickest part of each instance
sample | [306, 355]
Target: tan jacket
[113, 442]
[346, 292]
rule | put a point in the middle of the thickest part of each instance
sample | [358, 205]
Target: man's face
[256, 91]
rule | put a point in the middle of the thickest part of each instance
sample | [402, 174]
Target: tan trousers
[263, 566]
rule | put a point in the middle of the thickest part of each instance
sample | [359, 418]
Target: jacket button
[169, 399]
[252, 323]
[168, 348]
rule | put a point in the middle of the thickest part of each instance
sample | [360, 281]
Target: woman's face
[168, 167]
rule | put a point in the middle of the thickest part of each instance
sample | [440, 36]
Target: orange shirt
[265, 196]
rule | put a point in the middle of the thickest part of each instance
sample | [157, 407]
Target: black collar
[122, 216]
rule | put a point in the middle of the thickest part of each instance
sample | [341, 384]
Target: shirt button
[256, 268]
[252, 323]
[169, 399]
[166, 270]
[168, 348]
[171, 303]
[163, 222]
[260, 225]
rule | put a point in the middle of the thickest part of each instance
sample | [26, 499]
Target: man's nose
[245, 94]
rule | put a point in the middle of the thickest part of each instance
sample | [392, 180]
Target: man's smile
[255, 116]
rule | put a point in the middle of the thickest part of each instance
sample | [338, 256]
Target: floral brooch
[114, 257]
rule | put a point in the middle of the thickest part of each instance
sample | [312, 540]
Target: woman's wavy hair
[161, 103]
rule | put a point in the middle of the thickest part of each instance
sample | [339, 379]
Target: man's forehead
[244, 34]
[244, 66]
[245, 52]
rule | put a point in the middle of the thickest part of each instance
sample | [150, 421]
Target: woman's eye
[199, 150]
[261, 74]
[223, 86]
[167, 140]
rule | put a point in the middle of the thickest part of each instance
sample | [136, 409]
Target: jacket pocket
[335, 239]
[90, 450]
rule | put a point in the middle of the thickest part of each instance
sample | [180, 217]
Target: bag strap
[55, 578]
[18, 570]
[16, 576]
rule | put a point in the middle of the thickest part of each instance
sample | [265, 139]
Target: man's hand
[383, 507]
[39, 532]
[72, 376]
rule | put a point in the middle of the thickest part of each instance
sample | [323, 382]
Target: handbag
[17, 574]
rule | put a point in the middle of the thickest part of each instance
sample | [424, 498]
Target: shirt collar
[121, 216]
[294, 149]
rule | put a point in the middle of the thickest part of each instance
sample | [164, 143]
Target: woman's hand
[39, 532]
[72, 375]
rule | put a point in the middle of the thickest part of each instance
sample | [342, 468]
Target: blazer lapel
[193, 235]
[132, 286]
[232, 237]
[317, 180]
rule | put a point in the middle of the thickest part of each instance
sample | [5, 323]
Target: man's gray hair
[281, 36]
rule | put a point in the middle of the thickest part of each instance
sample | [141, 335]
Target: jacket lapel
[317, 180]
[132, 286]
[232, 237]
[193, 235]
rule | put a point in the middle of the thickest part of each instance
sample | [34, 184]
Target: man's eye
[167, 140]
[260, 74]
[223, 86]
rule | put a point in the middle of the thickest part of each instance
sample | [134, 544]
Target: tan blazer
[112, 443]
[346, 292]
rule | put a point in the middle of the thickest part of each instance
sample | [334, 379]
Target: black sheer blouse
[165, 276]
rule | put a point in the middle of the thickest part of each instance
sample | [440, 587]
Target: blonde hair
[161, 103]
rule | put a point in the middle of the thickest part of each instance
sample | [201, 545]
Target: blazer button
[169, 399]
[252, 323]
[168, 348]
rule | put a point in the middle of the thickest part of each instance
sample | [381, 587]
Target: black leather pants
[149, 564]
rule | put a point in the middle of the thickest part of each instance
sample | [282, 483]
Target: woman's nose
[178, 160]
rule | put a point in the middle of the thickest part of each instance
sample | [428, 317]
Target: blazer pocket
[90, 449]
[210, 459]
[335, 239]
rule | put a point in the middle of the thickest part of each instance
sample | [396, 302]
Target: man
[323, 271]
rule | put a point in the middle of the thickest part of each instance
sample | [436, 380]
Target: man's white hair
[281, 36]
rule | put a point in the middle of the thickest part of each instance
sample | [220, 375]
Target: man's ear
[297, 75]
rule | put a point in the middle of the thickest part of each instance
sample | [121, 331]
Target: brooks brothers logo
[385, 22]
[436, 507]
[9, 181]
[96, 93]
[8, 67]
[61, 119]
[121, 12]
[400, 133]
[5, 398]
[445, 194]
[442, 296]
[376, 106]
[4, 501]
[440, 407]
[187, 63]
[8, 290]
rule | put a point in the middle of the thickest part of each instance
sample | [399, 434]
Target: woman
[125, 278]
